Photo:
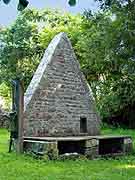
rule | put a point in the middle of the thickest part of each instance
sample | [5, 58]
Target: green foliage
[20, 51]
[23, 44]
[5, 95]
[106, 49]
[107, 4]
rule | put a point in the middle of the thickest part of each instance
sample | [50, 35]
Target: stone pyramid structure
[58, 101]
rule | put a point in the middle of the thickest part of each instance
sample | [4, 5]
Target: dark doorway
[110, 146]
[83, 125]
[71, 147]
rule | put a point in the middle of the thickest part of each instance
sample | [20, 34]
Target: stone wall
[90, 147]
[58, 95]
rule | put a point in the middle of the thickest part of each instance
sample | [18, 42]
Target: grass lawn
[21, 167]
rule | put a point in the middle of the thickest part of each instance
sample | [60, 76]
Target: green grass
[22, 167]
[4, 137]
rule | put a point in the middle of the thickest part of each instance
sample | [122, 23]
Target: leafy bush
[5, 96]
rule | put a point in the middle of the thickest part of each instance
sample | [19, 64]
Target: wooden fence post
[20, 110]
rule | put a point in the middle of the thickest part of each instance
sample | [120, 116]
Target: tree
[107, 49]
[23, 43]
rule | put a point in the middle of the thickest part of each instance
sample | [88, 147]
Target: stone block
[41, 148]
[91, 148]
